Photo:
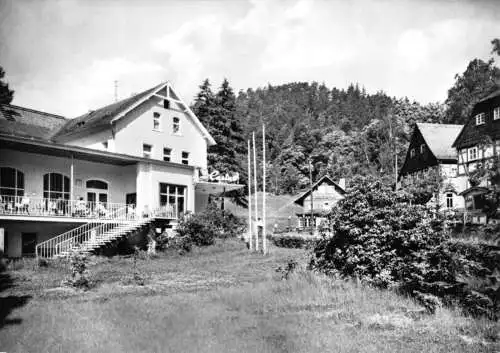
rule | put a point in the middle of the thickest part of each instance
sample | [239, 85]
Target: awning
[206, 187]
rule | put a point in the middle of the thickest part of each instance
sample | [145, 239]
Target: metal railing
[47, 207]
[166, 211]
[76, 237]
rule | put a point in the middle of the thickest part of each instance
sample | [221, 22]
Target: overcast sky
[63, 56]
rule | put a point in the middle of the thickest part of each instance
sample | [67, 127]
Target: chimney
[342, 183]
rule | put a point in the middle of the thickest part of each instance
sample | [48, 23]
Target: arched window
[97, 184]
[11, 182]
[56, 186]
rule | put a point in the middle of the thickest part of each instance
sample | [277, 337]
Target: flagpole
[264, 239]
[249, 235]
[255, 188]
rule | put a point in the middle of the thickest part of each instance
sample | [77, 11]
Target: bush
[79, 274]
[203, 228]
[296, 241]
[382, 239]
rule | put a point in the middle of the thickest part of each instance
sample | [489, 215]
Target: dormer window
[480, 119]
[156, 121]
[176, 126]
[496, 113]
[422, 148]
[412, 153]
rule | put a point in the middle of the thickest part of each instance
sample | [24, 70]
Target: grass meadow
[222, 298]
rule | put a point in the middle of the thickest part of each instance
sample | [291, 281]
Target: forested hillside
[341, 132]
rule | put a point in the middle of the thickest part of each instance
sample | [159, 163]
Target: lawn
[220, 299]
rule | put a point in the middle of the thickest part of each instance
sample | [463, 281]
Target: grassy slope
[223, 299]
[279, 207]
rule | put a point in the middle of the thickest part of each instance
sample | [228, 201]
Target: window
[422, 148]
[472, 153]
[56, 186]
[412, 153]
[480, 119]
[97, 184]
[105, 145]
[166, 104]
[156, 121]
[496, 113]
[167, 154]
[449, 200]
[173, 196]
[147, 150]
[11, 182]
[185, 157]
[176, 127]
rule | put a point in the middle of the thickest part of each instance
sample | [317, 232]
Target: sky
[63, 56]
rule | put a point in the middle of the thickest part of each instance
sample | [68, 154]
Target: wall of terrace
[121, 179]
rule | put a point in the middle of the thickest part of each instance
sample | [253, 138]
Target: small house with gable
[318, 200]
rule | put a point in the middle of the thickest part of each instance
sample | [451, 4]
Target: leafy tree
[478, 80]
[377, 236]
[6, 94]
[496, 46]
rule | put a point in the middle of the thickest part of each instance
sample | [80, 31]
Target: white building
[100, 176]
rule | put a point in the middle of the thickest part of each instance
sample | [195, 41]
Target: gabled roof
[439, 138]
[473, 134]
[102, 118]
[325, 178]
[491, 95]
[30, 123]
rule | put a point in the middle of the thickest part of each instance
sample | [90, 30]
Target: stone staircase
[101, 239]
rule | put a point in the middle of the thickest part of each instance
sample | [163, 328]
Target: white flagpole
[264, 239]
[255, 188]
[249, 235]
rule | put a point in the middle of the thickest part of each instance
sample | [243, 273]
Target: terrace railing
[34, 206]
[166, 211]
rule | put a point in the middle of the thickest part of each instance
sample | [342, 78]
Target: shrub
[294, 240]
[380, 238]
[79, 273]
[203, 228]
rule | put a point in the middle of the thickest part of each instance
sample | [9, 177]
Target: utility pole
[255, 189]
[264, 240]
[116, 91]
[312, 201]
[249, 198]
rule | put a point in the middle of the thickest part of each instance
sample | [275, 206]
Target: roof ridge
[35, 111]
[119, 101]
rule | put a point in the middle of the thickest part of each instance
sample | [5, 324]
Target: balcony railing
[45, 207]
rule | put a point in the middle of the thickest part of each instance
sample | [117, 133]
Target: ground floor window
[97, 191]
[449, 200]
[173, 196]
[11, 182]
[56, 186]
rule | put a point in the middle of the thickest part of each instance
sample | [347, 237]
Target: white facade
[107, 166]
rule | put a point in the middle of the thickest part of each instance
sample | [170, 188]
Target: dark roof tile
[25, 122]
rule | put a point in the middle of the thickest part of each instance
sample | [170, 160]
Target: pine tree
[6, 94]
[218, 114]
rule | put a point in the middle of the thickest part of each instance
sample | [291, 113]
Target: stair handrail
[65, 241]
[47, 248]
[95, 233]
